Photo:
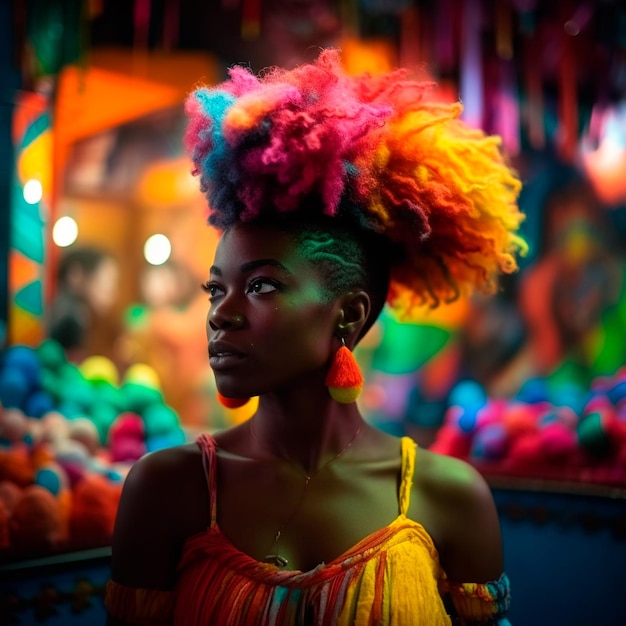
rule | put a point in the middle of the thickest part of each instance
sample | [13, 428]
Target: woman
[335, 195]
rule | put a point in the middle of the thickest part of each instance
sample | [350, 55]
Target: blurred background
[103, 248]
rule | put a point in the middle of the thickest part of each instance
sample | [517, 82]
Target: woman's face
[270, 323]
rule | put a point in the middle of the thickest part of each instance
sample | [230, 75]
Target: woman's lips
[223, 356]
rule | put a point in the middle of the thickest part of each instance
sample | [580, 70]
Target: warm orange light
[167, 183]
[373, 55]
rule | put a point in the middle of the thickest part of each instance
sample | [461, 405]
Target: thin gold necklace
[273, 555]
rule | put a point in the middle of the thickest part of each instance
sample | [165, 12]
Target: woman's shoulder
[460, 514]
[166, 465]
[447, 475]
[170, 481]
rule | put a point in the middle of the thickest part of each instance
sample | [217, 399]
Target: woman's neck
[305, 433]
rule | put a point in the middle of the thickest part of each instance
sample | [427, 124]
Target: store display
[69, 434]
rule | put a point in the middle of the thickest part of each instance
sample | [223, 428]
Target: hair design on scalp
[347, 257]
[316, 141]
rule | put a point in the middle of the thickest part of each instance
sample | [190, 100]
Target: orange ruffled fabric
[391, 577]
[139, 606]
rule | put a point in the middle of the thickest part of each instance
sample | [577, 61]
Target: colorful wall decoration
[32, 138]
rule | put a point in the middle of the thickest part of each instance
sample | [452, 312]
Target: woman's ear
[355, 310]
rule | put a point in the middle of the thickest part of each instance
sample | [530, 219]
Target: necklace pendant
[276, 559]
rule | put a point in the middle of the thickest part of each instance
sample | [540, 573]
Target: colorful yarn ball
[10, 493]
[13, 425]
[617, 392]
[490, 443]
[160, 419]
[558, 441]
[92, 517]
[593, 435]
[14, 388]
[83, 430]
[99, 369]
[173, 437]
[468, 393]
[143, 374]
[126, 439]
[38, 403]
[73, 457]
[51, 354]
[136, 397]
[103, 415]
[52, 477]
[16, 465]
[25, 360]
[55, 426]
[521, 417]
[37, 520]
[534, 390]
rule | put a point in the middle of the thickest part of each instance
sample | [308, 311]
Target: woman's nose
[221, 319]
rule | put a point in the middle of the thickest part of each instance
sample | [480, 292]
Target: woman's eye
[262, 285]
[212, 289]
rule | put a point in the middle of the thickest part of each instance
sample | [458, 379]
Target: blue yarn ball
[24, 359]
[467, 418]
[172, 438]
[38, 403]
[569, 394]
[468, 393]
[490, 443]
[14, 388]
[52, 478]
[617, 392]
[534, 390]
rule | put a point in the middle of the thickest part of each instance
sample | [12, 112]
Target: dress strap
[408, 452]
[208, 448]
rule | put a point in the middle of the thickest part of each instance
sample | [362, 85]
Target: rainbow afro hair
[314, 139]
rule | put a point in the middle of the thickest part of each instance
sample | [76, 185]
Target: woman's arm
[153, 519]
[471, 545]
[464, 520]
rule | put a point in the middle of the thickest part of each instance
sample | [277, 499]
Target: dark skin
[279, 333]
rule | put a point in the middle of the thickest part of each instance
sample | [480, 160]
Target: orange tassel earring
[344, 379]
[231, 403]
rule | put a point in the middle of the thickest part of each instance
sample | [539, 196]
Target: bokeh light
[65, 231]
[33, 191]
[157, 249]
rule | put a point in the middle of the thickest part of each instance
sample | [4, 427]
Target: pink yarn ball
[520, 418]
[127, 438]
[451, 441]
[127, 426]
[525, 451]
[558, 441]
